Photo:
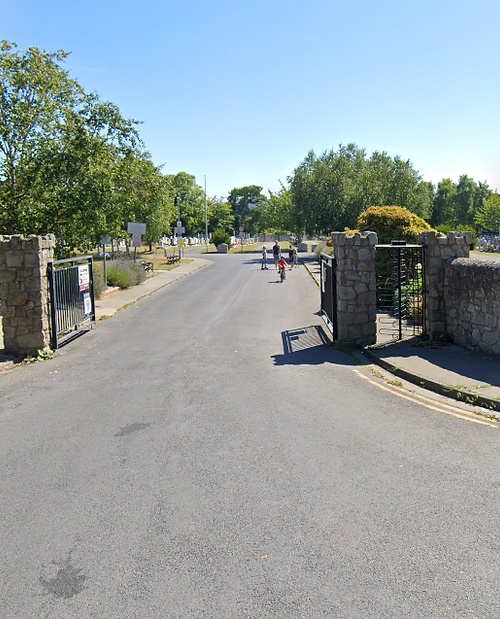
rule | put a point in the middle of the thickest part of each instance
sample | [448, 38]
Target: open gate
[329, 293]
[400, 291]
[73, 304]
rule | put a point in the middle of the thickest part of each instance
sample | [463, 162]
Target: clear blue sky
[240, 91]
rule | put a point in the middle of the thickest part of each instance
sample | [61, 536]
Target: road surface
[205, 454]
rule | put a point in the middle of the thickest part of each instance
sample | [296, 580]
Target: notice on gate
[87, 305]
[83, 277]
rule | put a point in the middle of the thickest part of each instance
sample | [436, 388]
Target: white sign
[133, 228]
[83, 277]
[87, 305]
[179, 230]
[242, 229]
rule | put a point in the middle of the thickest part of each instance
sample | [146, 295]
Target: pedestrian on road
[291, 256]
[276, 253]
[264, 258]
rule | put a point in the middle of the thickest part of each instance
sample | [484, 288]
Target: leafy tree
[220, 214]
[331, 191]
[192, 201]
[278, 214]
[443, 204]
[35, 97]
[488, 216]
[243, 201]
[59, 151]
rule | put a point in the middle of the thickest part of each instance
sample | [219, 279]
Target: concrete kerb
[116, 300]
[367, 355]
[460, 395]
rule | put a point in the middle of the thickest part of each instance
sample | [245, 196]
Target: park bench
[172, 258]
[147, 266]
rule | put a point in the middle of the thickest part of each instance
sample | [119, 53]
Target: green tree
[443, 208]
[192, 202]
[35, 97]
[220, 214]
[243, 201]
[332, 190]
[59, 149]
[488, 215]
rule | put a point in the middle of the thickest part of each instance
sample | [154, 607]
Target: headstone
[222, 248]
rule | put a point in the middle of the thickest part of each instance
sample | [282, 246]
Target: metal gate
[400, 291]
[329, 293]
[73, 304]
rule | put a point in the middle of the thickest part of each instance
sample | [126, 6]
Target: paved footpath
[446, 369]
[117, 299]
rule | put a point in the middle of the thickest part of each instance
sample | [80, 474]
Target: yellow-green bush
[392, 222]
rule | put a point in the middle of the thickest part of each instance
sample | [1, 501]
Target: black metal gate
[73, 304]
[400, 291]
[329, 293]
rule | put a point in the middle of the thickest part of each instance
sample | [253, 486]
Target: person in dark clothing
[276, 253]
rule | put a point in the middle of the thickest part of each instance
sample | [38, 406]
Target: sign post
[136, 230]
[179, 231]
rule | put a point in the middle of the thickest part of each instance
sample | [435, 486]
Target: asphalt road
[203, 454]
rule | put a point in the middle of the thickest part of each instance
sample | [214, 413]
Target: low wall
[472, 302]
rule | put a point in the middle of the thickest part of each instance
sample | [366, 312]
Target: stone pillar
[438, 251]
[25, 292]
[356, 288]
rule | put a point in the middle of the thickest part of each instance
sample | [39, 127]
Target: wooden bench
[172, 258]
[147, 266]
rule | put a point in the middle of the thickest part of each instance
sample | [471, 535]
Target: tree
[243, 201]
[488, 216]
[35, 97]
[220, 214]
[192, 201]
[331, 191]
[443, 210]
[59, 151]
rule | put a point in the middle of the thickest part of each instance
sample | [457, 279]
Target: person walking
[264, 258]
[276, 253]
[291, 256]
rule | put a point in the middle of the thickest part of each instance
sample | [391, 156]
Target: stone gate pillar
[438, 251]
[356, 288]
[25, 292]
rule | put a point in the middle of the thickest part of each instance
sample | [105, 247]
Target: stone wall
[356, 287]
[472, 304]
[25, 292]
[438, 252]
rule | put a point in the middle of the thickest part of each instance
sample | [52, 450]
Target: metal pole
[206, 214]
[105, 267]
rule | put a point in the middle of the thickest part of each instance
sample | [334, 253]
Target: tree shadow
[309, 346]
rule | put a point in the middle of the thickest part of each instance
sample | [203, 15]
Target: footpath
[446, 369]
[449, 370]
[116, 299]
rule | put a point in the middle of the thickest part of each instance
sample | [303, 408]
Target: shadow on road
[309, 346]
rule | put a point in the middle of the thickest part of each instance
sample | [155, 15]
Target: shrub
[124, 273]
[221, 236]
[98, 284]
[393, 222]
